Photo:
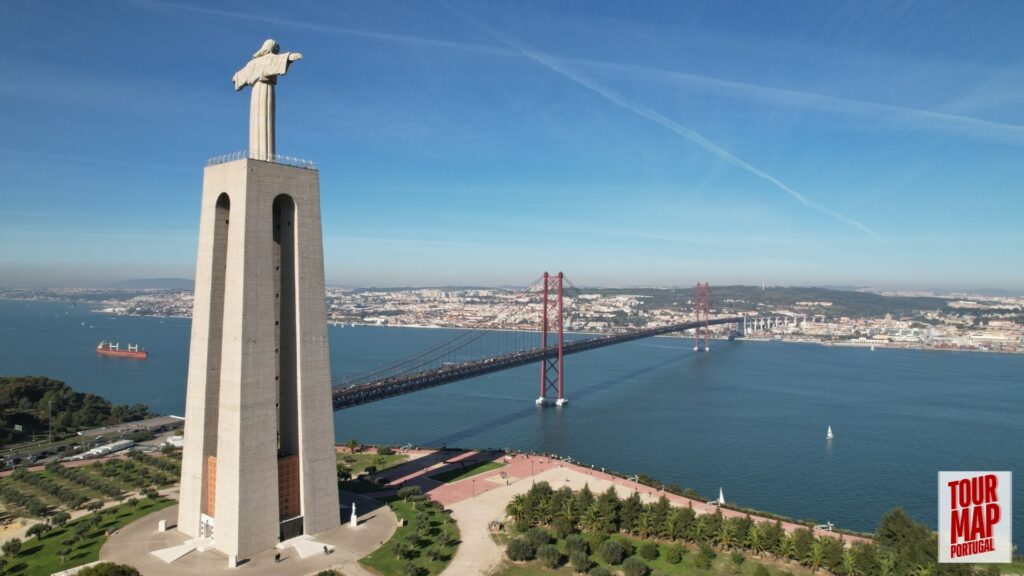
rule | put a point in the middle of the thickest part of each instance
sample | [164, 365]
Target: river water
[749, 417]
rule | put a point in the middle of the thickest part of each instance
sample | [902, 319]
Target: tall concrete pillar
[258, 461]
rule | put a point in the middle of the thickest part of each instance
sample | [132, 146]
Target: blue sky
[825, 143]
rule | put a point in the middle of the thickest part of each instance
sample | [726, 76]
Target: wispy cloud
[562, 69]
[952, 120]
[909, 117]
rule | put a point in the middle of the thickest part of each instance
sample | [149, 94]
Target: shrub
[707, 551]
[599, 571]
[520, 550]
[736, 557]
[538, 536]
[580, 561]
[702, 561]
[634, 566]
[761, 570]
[649, 551]
[612, 552]
[595, 539]
[405, 493]
[549, 556]
[674, 554]
[328, 573]
[576, 543]
[385, 451]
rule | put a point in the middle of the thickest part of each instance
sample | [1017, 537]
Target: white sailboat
[829, 435]
[721, 496]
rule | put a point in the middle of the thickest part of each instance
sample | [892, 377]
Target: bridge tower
[702, 307]
[551, 367]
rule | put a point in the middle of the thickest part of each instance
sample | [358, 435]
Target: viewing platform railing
[275, 158]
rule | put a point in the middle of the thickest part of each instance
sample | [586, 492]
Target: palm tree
[570, 509]
[516, 508]
[726, 535]
[850, 567]
[923, 570]
[816, 555]
[645, 523]
[700, 528]
[671, 525]
[786, 548]
[591, 521]
[755, 539]
[352, 445]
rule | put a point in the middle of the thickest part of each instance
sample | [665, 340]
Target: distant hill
[153, 284]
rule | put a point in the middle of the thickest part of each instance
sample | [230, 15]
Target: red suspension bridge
[495, 347]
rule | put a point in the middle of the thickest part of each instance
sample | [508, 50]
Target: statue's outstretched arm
[293, 56]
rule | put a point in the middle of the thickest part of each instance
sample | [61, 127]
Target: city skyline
[466, 144]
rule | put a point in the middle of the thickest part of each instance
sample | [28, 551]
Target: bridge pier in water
[551, 367]
[702, 307]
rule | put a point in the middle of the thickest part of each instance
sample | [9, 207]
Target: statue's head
[269, 47]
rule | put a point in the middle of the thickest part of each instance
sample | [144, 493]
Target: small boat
[721, 496]
[828, 436]
[872, 347]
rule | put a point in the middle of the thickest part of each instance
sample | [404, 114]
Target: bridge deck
[354, 395]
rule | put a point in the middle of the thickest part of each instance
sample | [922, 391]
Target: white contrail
[645, 112]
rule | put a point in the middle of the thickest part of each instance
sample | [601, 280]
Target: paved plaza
[136, 543]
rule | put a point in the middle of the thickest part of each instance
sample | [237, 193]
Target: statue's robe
[263, 69]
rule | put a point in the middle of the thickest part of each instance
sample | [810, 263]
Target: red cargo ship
[114, 349]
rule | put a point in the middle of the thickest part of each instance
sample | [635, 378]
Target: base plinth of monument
[170, 553]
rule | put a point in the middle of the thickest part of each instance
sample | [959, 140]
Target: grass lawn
[358, 462]
[42, 557]
[427, 550]
[464, 472]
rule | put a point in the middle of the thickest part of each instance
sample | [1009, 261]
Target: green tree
[37, 530]
[634, 566]
[12, 547]
[629, 512]
[609, 505]
[108, 569]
